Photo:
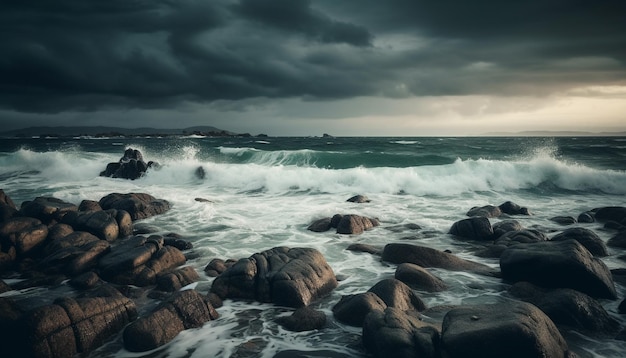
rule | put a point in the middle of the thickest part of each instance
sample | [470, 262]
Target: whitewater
[260, 193]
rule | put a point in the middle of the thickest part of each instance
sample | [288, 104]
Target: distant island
[554, 134]
[101, 132]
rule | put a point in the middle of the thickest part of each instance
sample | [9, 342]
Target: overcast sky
[306, 67]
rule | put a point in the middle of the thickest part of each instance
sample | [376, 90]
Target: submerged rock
[303, 319]
[360, 199]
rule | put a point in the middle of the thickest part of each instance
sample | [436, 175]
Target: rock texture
[138, 205]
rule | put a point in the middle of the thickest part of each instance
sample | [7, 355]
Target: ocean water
[264, 192]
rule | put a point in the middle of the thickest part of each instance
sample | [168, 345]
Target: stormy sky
[305, 67]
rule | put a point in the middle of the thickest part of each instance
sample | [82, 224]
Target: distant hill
[112, 131]
[554, 134]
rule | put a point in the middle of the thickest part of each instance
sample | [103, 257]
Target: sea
[261, 192]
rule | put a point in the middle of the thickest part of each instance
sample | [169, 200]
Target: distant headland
[101, 131]
[554, 134]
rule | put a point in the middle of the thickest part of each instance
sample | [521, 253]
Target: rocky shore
[107, 280]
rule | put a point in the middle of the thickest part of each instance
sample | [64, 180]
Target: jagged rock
[589, 239]
[487, 211]
[138, 205]
[511, 208]
[419, 278]
[563, 264]
[474, 228]
[47, 209]
[428, 257]
[352, 309]
[395, 333]
[564, 220]
[397, 294]
[355, 224]
[292, 277]
[359, 199]
[568, 308]
[304, 319]
[22, 233]
[130, 166]
[183, 310]
[512, 329]
[177, 279]
[74, 254]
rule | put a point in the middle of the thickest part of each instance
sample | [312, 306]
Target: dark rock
[89, 205]
[292, 277]
[7, 212]
[335, 220]
[511, 208]
[85, 281]
[621, 309]
[586, 217]
[502, 227]
[304, 319]
[22, 233]
[427, 257]
[365, 248]
[73, 254]
[475, 228]
[394, 333]
[614, 225]
[360, 199]
[619, 240]
[564, 220]
[419, 278]
[487, 211]
[587, 238]
[619, 275]
[59, 231]
[569, 308]
[564, 264]
[144, 229]
[514, 329]
[404, 227]
[130, 166]
[352, 309]
[200, 173]
[129, 255]
[178, 243]
[611, 213]
[124, 222]
[183, 310]
[47, 209]
[72, 326]
[521, 236]
[203, 200]
[320, 225]
[398, 295]
[163, 260]
[355, 224]
[138, 205]
[177, 279]
[100, 223]
[4, 287]
[6, 200]
[217, 266]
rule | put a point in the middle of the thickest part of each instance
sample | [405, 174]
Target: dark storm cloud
[91, 55]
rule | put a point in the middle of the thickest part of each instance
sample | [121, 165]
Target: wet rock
[397, 294]
[569, 308]
[100, 223]
[73, 254]
[475, 228]
[521, 236]
[355, 224]
[564, 220]
[47, 209]
[177, 279]
[85, 281]
[419, 278]
[7, 212]
[22, 233]
[563, 264]
[6, 200]
[503, 227]
[352, 309]
[200, 173]
[320, 225]
[59, 231]
[217, 266]
[589, 239]
[611, 213]
[138, 205]
[291, 277]
[427, 257]
[4, 287]
[89, 205]
[183, 310]
[511, 208]
[365, 248]
[619, 240]
[303, 319]
[586, 217]
[487, 211]
[394, 333]
[513, 329]
[359, 199]
[621, 309]
[130, 166]
[129, 255]
[167, 258]
[177, 242]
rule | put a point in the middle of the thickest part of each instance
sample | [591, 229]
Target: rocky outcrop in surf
[345, 224]
[130, 166]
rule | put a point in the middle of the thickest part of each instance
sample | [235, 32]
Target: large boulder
[419, 278]
[303, 319]
[563, 264]
[355, 224]
[502, 227]
[511, 208]
[395, 333]
[352, 309]
[23, 234]
[568, 308]
[398, 295]
[183, 310]
[427, 257]
[130, 166]
[100, 223]
[487, 211]
[589, 239]
[138, 205]
[47, 209]
[177, 279]
[73, 254]
[512, 329]
[474, 228]
[611, 213]
[292, 277]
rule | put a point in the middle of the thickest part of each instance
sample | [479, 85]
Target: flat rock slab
[564, 264]
[292, 277]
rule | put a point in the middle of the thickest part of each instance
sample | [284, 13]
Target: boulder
[474, 228]
[166, 259]
[395, 333]
[428, 257]
[564, 220]
[355, 224]
[512, 329]
[611, 213]
[352, 309]
[177, 242]
[359, 199]
[619, 240]
[138, 205]
[59, 231]
[398, 295]
[85, 281]
[292, 277]
[487, 211]
[47, 209]
[6, 200]
[73, 254]
[569, 308]
[127, 256]
[320, 225]
[100, 223]
[511, 208]
[586, 218]
[521, 236]
[89, 205]
[589, 239]
[217, 266]
[22, 233]
[563, 264]
[7, 212]
[419, 278]
[130, 166]
[503, 227]
[177, 279]
[183, 310]
[303, 319]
